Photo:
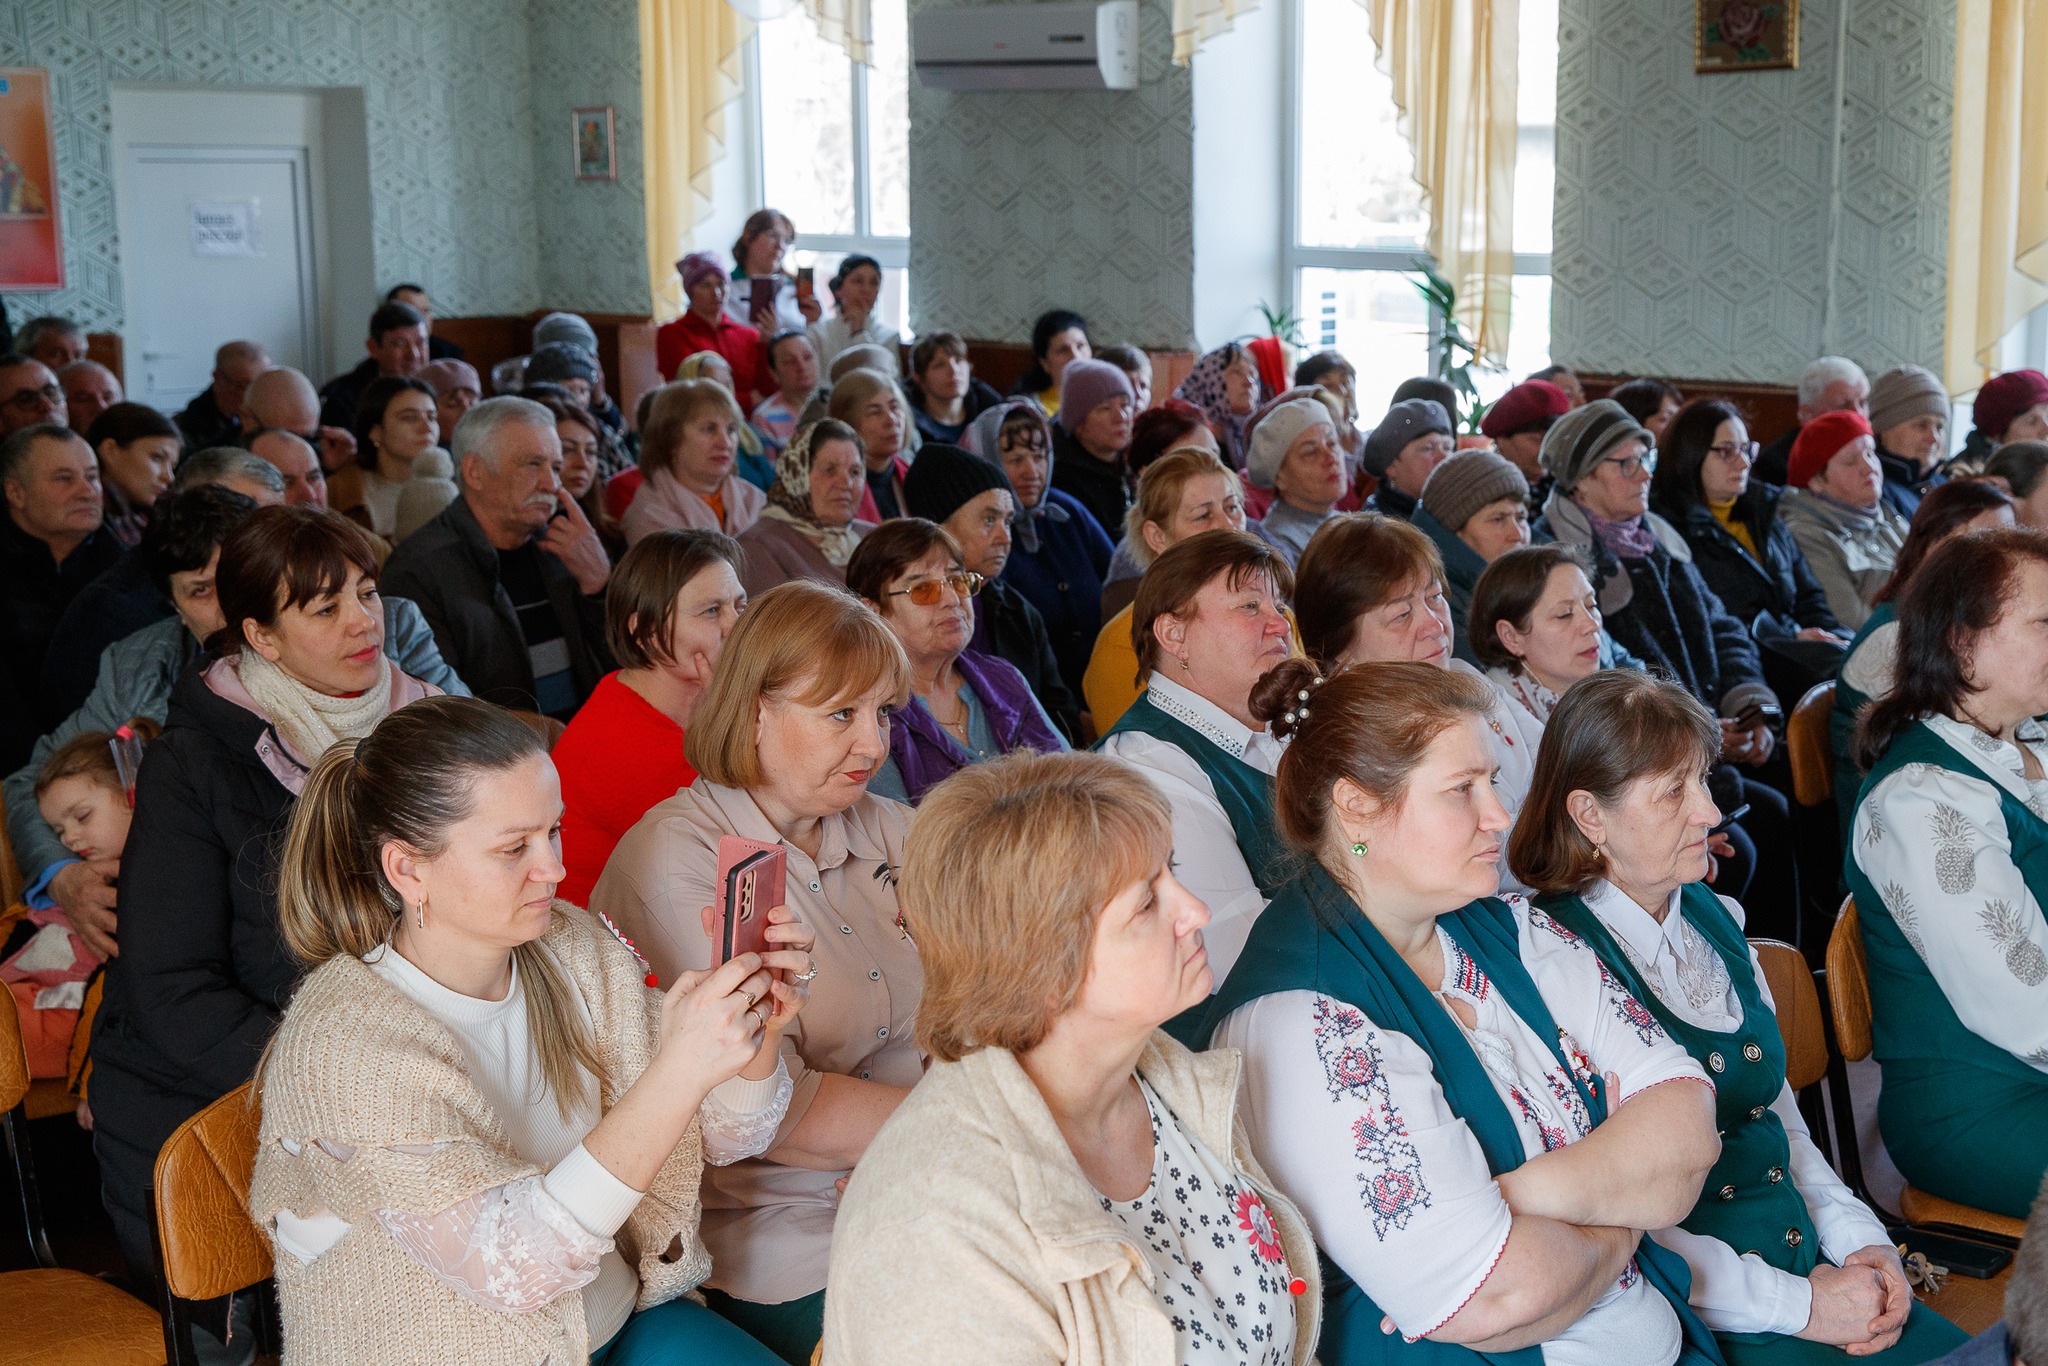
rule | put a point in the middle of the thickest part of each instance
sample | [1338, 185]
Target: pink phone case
[750, 884]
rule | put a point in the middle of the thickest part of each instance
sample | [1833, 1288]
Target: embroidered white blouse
[1934, 844]
[1206, 858]
[1350, 1121]
[1732, 1292]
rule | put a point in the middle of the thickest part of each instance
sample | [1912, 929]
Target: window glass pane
[889, 122]
[1528, 338]
[1357, 170]
[1379, 322]
[806, 125]
[893, 308]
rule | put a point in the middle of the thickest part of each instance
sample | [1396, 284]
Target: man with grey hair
[54, 341]
[2022, 1335]
[1831, 384]
[232, 467]
[511, 576]
[214, 416]
[89, 390]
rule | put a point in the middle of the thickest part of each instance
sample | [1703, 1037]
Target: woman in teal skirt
[1788, 1266]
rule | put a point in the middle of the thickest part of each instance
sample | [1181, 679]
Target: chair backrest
[1808, 749]
[211, 1247]
[1792, 990]
[1849, 984]
[10, 867]
[546, 727]
[14, 1079]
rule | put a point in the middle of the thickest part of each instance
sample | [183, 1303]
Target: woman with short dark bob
[1787, 1264]
[1469, 1109]
[1948, 864]
[1072, 1185]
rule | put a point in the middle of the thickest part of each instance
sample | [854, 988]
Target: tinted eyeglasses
[928, 592]
[1732, 451]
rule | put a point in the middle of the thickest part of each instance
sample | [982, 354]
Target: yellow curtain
[689, 72]
[1998, 183]
[844, 23]
[1195, 22]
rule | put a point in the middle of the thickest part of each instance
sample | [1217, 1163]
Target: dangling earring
[1186, 667]
[419, 914]
[1358, 848]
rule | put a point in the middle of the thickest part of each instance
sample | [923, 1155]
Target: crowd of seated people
[387, 743]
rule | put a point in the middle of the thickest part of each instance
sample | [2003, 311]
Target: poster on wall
[1745, 35]
[31, 247]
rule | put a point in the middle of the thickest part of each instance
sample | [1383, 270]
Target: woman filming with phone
[791, 728]
[476, 1115]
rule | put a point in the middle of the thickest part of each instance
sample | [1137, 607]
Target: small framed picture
[596, 156]
[1745, 35]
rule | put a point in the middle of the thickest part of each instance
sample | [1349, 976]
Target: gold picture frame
[1745, 35]
[592, 141]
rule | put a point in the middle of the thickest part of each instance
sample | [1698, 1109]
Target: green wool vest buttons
[1752, 1053]
[1717, 1062]
[1756, 1112]
[1727, 1192]
[1793, 1237]
[1774, 1176]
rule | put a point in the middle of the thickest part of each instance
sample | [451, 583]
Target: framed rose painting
[1746, 35]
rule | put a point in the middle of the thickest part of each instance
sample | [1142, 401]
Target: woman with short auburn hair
[1949, 867]
[1087, 1127]
[1615, 838]
[670, 604]
[1463, 1061]
[792, 726]
[688, 453]
[872, 403]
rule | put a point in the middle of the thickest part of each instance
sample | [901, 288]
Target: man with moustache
[511, 576]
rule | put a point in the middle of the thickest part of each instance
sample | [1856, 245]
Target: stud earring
[1360, 849]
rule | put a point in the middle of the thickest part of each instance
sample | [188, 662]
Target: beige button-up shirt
[769, 1227]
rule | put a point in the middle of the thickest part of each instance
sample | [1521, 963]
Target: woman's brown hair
[1508, 592]
[1607, 731]
[1176, 579]
[758, 222]
[640, 600]
[676, 406]
[1942, 512]
[1160, 485]
[1353, 564]
[890, 549]
[283, 557]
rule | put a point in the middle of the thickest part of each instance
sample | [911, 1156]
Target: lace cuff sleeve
[739, 1119]
[513, 1247]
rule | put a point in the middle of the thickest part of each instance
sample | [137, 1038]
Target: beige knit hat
[1468, 481]
[1903, 394]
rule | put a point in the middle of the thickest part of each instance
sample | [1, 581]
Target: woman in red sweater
[670, 605]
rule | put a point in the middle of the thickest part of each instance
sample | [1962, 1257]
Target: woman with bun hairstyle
[1476, 1119]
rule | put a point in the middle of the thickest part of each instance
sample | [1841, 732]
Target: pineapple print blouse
[1934, 842]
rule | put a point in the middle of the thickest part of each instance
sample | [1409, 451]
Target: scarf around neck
[1631, 540]
[308, 720]
[789, 502]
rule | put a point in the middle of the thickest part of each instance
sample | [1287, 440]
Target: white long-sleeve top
[1733, 1292]
[517, 1246]
[1206, 858]
[1934, 843]
[1351, 1123]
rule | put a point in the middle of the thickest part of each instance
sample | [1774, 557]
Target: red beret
[2007, 396]
[1530, 401]
[1820, 441]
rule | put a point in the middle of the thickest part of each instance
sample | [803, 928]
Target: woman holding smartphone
[791, 728]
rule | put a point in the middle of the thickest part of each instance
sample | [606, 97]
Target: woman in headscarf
[808, 529]
[1225, 385]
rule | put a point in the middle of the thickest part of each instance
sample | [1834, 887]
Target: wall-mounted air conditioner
[1091, 45]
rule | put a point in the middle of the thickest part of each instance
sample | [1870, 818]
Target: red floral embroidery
[1257, 1223]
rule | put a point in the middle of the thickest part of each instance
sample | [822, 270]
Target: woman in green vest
[1788, 1266]
[1948, 862]
[1473, 1115]
[1866, 673]
[1208, 622]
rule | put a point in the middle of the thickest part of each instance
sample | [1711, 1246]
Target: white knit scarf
[310, 720]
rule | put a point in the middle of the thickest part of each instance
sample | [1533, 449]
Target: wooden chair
[1799, 1017]
[55, 1317]
[10, 867]
[207, 1244]
[546, 727]
[1808, 749]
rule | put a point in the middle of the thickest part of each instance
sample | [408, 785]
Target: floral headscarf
[984, 437]
[1205, 388]
[693, 367]
[789, 501]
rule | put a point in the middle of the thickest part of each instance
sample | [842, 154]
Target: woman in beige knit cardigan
[482, 1133]
[1066, 1184]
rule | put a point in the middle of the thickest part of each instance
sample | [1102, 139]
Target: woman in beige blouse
[794, 723]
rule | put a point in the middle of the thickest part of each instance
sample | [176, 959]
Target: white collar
[1635, 926]
[1210, 721]
[1997, 759]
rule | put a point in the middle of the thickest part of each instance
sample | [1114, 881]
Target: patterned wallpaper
[1693, 211]
[1020, 202]
[461, 96]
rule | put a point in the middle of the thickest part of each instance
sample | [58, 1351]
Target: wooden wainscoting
[1001, 363]
[625, 348]
[1769, 410]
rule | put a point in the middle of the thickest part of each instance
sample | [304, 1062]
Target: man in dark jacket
[1830, 384]
[51, 546]
[397, 346]
[214, 417]
[511, 576]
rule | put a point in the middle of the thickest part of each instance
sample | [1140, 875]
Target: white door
[221, 245]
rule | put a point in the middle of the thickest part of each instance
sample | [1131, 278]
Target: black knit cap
[943, 479]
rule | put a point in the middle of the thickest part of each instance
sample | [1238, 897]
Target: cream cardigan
[356, 1062]
[969, 1232]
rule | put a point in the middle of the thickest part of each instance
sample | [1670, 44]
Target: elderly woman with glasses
[965, 707]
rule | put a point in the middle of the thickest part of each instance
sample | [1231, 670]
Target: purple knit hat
[696, 266]
[1087, 383]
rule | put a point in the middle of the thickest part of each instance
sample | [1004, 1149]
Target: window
[1358, 217]
[833, 142]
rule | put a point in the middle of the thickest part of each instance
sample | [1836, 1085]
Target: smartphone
[806, 281]
[1758, 711]
[761, 292]
[1979, 1261]
[1733, 816]
[750, 884]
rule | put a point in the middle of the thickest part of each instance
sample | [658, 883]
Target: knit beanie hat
[1405, 421]
[1424, 386]
[943, 479]
[428, 490]
[1820, 441]
[1087, 384]
[565, 327]
[2004, 398]
[698, 265]
[1585, 436]
[1528, 403]
[1468, 481]
[1903, 394]
[557, 361]
[1275, 432]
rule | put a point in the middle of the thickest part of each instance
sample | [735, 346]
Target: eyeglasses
[927, 592]
[1732, 451]
[1633, 466]
[28, 400]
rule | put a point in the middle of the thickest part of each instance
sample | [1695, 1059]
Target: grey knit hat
[565, 327]
[1468, 481]
[1405, 421]
[1903, 394]
[1276, 431]
[1585, 436]
[557, 361]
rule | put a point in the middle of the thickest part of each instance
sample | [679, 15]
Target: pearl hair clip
[1300, 710]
